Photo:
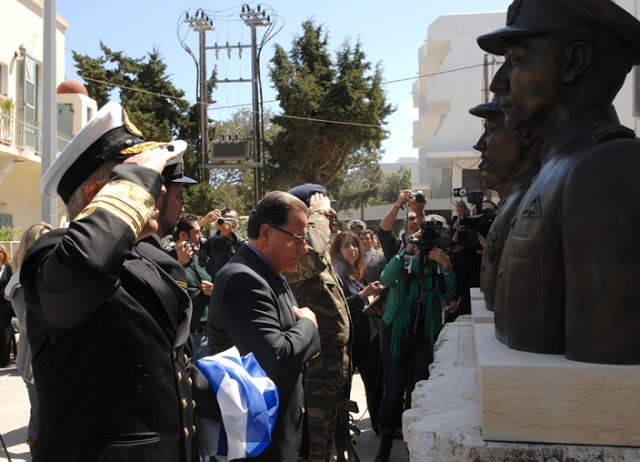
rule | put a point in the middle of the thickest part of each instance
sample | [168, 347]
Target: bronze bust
[569, 277]
[510, 160]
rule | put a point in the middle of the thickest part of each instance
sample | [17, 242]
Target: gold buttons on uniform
[186, 358]
[184, 404]
[186, 432]
[190, 381]
[179, 375]
[174, 355]
[194, 429]
[193, 403]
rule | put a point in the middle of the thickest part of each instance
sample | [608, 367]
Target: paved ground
[14, 415]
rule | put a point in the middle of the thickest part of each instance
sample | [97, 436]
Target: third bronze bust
[568, 278]
[510, 160]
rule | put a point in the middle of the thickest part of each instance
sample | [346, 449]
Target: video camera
[474, 225]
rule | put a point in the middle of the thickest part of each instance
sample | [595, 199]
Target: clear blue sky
[391, 33]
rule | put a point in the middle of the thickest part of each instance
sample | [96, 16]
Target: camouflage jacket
[316, 285]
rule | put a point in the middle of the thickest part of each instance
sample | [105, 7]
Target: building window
[89, 114]
[4, 79]
[6, 220]
[30, 88]
[471, 179]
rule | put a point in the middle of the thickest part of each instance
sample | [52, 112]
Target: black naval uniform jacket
[568, 277]
[109, 328]
[251, 310]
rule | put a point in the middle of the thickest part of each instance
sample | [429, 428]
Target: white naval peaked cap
[108, 136]
[440, 218]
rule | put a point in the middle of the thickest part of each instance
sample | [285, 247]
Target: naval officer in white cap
[108, 327]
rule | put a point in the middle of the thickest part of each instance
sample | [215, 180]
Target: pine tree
[333, 112]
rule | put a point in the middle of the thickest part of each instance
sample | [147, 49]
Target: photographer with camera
[417, 277]
[392, 244]
[199, 276]
[467, 246]
[222, 245]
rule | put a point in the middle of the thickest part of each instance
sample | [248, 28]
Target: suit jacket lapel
[275, 281]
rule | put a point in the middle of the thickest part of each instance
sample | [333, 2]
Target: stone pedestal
[548, 398]
[444, 424]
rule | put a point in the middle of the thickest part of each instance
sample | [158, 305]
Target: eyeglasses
[298, 239]
[412, 218]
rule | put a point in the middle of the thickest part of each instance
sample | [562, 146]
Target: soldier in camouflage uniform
[316, 284]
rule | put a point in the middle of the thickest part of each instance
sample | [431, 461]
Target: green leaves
[333, 112]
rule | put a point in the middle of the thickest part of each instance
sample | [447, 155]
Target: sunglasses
[412, 218]
[298, 239]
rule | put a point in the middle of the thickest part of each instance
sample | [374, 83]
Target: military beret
[531, 17]
[484, 110]
[305, 191]
[110, 135]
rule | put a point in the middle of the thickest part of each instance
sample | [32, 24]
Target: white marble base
[548, 398]
[476, 293]
[480, 313]
[444, 424]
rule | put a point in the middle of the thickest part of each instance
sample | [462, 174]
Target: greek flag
[248, 402]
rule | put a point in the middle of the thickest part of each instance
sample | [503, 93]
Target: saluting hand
[155, 159]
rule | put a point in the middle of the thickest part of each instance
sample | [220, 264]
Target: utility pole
[201, 23]
[49, 205]
[254, 18]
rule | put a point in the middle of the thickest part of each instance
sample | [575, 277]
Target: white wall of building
[21, 24]
[454, 67]
[455, 82]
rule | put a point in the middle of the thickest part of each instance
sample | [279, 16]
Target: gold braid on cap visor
[142, 147]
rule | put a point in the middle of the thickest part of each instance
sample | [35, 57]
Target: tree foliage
[152, 102]
[333, 112]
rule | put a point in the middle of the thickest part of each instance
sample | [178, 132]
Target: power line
[310, 119]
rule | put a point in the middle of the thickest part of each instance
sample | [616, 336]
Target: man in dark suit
[374, 259]
[253, 309]
[108, 327]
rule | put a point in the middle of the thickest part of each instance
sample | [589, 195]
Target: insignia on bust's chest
[513, 11]
[533, 209]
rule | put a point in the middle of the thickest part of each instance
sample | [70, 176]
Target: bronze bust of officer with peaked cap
[569, 272]
[510, 160]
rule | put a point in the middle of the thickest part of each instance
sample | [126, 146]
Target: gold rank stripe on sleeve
[128, 201]
[183, 285]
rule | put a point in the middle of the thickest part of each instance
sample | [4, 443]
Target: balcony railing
[25, 134]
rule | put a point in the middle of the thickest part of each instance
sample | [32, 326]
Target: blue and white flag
[248, 401]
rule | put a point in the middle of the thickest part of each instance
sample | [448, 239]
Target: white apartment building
[455, 76]
[21, 91]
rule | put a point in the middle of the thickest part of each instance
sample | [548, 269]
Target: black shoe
[385, 448]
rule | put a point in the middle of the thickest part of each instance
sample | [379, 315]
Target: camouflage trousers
[323, 396]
